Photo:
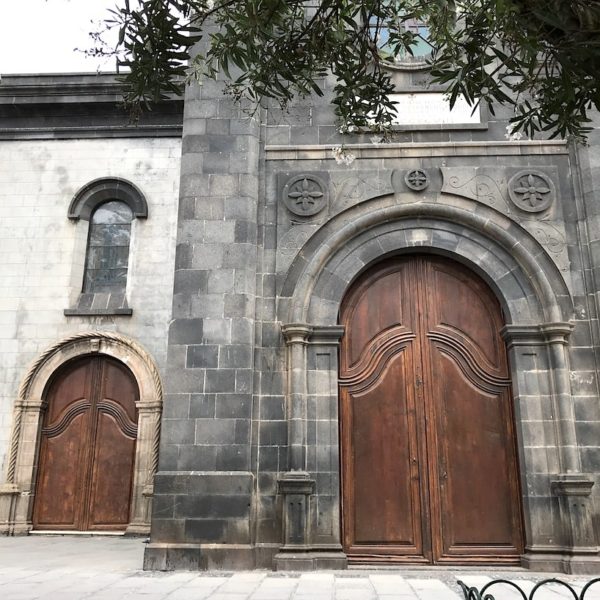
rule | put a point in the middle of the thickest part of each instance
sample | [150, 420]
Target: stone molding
[572, 485]
[299, 333]
[419, 150]
[555, 338]
[98, 191]
[17, 495]
[499, 232]
[537, 335]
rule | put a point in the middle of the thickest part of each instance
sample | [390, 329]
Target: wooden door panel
[62, 448]
[120, 387]
[378, 304]
[473, 465]
[58, 486]
[477, 505]
[112, 470]
[429, 468]
[384, 496]
[461, 304]
[72, 385]
[87, 447]
[114, 448]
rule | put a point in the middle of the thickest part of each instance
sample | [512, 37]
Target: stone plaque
[433, 108]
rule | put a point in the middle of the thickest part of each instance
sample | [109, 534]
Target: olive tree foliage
[540, 56]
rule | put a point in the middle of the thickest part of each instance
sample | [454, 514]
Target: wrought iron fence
[472, 593]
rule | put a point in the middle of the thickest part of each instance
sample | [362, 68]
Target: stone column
[18, 492]
[556, 336]
[574, 493]
[297, 486]
[296, 339]
[145, 468]
[569, 487]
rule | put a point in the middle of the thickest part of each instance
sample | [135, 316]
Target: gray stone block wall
[243, 252]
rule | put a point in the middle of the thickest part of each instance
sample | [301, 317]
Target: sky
[39, 36]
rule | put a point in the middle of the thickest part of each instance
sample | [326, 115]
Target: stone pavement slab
[109, 568]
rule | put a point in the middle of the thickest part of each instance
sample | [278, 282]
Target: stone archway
[17, 492]
[537, 307]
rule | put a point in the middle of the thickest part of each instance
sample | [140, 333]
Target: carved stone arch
[537, 308]
[526, 280]
[98, 191]
[18, 492]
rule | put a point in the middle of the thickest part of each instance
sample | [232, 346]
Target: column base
[134, 529]
[309, 561]
[562, 561]
[206, 557]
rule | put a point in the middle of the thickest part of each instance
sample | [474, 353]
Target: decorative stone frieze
[417, 180]
[305, 195]
[531, 191]
[532, 210]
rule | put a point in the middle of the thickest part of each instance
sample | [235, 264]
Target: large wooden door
[87, 448]
[429, 469]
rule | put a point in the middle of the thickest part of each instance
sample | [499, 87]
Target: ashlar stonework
[269, 237]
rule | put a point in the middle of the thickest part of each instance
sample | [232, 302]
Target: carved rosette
[531, 191]
[305, 195]
[417, 180]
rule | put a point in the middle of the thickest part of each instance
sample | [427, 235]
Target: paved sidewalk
[109, 568]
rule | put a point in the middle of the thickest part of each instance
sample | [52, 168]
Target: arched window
[110, 206]
[421, 47]
[107, 254]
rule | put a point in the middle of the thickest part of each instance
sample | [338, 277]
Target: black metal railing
[472, 593]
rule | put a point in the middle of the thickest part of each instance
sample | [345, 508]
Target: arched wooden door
[429, 469]
[89, 432]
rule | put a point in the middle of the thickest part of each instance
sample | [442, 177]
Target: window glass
[108, 248]
[421, 48]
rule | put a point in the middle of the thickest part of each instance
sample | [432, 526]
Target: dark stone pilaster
[206, 429]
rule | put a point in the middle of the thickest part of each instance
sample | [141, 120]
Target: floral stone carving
[305, 195]
[531, 191]
[417, 179]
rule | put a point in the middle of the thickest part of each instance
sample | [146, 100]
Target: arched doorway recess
[17, 496]
[87, 447]
[429, 466]
[537, 308]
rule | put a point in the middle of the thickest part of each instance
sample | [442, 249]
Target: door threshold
[77, 533]
[425, 567]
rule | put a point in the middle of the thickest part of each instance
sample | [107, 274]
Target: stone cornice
[420, 149]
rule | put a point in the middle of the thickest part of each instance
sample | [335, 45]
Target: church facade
[270, 345]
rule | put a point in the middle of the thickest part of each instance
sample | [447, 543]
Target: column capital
[296, 333]
[537, 335]
[567, 484]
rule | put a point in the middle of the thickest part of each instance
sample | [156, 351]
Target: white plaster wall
[42, 251]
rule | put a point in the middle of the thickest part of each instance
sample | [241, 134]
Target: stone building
[384, 353]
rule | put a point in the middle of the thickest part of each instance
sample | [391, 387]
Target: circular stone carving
[305, 195]
[531, 191]
[417, 180]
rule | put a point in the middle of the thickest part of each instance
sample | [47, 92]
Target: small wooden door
[87, 448]
[429, 469]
